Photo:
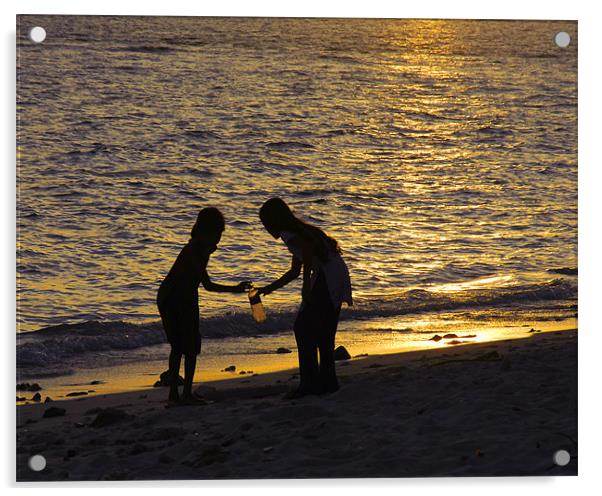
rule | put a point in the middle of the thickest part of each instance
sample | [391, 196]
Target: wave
[57, 344]
[285, 145]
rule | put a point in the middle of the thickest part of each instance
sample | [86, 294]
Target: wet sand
[499, 408]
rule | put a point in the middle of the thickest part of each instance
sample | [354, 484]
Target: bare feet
[192, 400]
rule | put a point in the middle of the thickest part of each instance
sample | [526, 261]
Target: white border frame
[590, 341]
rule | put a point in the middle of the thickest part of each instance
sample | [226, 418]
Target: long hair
[276, 215]
[210, 219]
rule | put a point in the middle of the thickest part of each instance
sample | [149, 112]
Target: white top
[335, 270]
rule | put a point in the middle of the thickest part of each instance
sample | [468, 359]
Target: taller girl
[326, 285]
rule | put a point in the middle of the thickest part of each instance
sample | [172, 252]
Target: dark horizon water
[441, 154]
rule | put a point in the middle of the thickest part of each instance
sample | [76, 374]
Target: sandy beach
[491, 409]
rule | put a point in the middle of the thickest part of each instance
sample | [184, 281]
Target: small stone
[48, 399]
[361, 355]
[109, 416]
[94, 383]
[36, 397]
[21, 398]
[450, 336]
[242, 372]
[341, 353]
[436, 337]
[164, 380]
[54, 411]
[76, 393]
[283, 350]
[231, 368]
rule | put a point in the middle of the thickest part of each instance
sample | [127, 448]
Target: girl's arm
[288, 276]
[209, 285]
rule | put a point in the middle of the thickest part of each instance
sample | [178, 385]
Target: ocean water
[442, 155]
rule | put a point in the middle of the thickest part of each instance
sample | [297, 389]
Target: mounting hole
[562, 458]
[37, 34]
[37, 463]
[562, 39]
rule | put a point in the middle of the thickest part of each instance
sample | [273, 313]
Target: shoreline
[495, 408]
[139, 374]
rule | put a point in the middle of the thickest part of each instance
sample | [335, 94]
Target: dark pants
[315, 328]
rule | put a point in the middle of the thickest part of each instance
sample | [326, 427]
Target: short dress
[333, 270]
[178, 303]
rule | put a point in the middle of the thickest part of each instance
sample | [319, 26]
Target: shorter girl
[326, 285]
[178, 300]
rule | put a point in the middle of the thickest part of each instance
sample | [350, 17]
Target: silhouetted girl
[178, 299]
[326, 285]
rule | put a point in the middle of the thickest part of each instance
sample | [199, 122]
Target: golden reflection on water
[421, 145]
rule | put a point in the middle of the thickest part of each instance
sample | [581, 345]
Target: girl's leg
[174, 373]
[328, 376]
[189, 367]
[308, 352]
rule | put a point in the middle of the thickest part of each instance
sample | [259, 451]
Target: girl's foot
[192, 400]
[298, 393]
[330, 389]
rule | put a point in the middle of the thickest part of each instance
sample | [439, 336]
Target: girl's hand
[264, 291]
[243, 287]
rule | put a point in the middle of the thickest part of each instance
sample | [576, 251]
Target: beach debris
[231, 368]
[25, 386]
[76, 393]
[109, 416]
[36, 397]
[436, 337]
[48, 399]
[164, 380]
[341, 353]
[283, 350]
[54, 411]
